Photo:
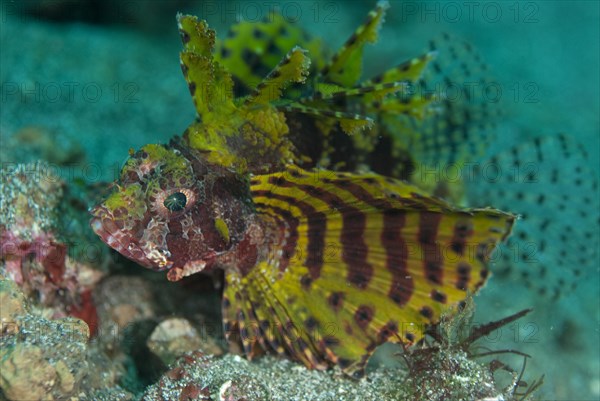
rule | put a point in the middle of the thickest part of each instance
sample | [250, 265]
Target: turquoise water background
[116, 84]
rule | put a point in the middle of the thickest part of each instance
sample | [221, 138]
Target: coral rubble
[46, 359]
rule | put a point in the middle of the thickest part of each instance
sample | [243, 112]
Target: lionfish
[301, 187]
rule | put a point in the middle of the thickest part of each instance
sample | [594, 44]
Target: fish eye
[175, 202]
[172, 202]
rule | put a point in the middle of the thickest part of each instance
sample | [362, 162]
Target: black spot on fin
[550, 182]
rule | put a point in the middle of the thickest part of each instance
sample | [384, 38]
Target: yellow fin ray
[209, 83]
[410, 70]
[292, 68]
[195, 35]
[351, 123]
[328, 91]
[415, 106]
[345, 66]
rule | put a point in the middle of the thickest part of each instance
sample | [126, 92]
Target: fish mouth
[104, 226]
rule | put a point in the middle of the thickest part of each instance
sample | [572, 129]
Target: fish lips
[105, 227]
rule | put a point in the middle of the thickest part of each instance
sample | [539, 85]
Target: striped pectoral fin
[251, 317]
[238, 325]
[367, 260]
[450, 253]
[259, 314]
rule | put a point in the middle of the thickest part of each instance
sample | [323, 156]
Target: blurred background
[85, 81]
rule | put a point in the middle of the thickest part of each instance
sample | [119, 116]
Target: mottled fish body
[323, 260]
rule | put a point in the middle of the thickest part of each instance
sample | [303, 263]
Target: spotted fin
[252, 49]
[462, 123]
[444, 119]
[406, 101]
[549, 182]
[389, 92]
[408, 71]
[365, 260]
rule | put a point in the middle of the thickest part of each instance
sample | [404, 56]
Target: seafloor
[83, 82]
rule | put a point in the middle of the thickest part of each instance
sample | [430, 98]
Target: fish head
[170, 210]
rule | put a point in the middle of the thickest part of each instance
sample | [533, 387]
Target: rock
[35, 142]
[178, 384]
[448, 375]
[65, 377]
[25, 374]
[122, 301]
[232, 378]
[110, 394]
[173, 338]
[12, 304]
[48, 358]
[35, 247]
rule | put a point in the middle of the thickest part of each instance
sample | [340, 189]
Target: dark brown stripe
[402, 284]
[426, 312]
[336, 300]
[360, 193]
[185, 37]
[484, 249]
[462, 231]
[438, 296]
[354, 248]
[344, 363]
[306, 282]
[311, 323]
[387, 331]
[192, 88]
[328, 342]
[316, 230]
[432, 257]
[463, 271]
[351, 40]
[363, 316]
[289, 248]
